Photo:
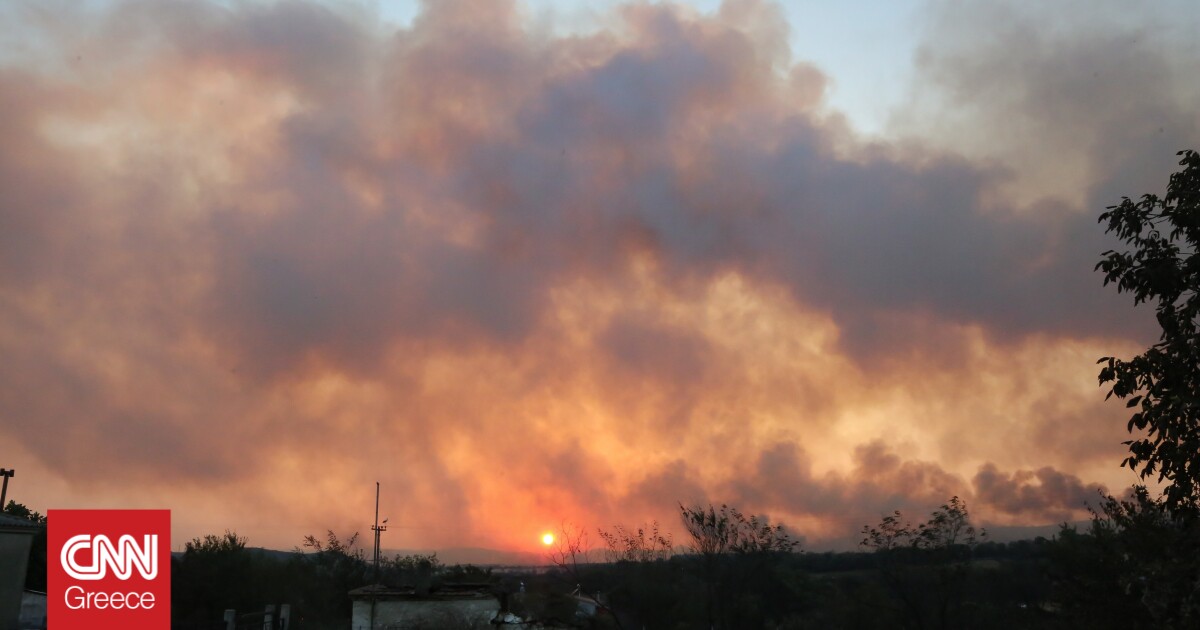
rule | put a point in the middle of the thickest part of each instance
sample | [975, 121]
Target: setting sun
[547, 539]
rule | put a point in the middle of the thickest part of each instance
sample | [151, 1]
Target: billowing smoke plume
[255, 258]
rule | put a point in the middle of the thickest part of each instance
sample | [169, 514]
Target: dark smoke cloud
[273, 252]
[1047, 493]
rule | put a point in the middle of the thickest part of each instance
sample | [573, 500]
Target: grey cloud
[782, 484]
[868, 239]
[1046, 493]
[1110, 94]
[663, 489]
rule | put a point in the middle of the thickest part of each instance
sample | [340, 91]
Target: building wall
[421, 614]
[33, 611]
[14, 559]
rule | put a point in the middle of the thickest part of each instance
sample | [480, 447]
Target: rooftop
[8, 522]
[457, 591]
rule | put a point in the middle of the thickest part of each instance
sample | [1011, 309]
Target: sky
[526, 267]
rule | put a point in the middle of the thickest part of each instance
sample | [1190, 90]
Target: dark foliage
[1162, 384]
[643, 544]
[926, 567]
[216, 573]
[1133, 567]
[1136, 567]
[743, 564]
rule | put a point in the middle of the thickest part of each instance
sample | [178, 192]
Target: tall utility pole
[378, 529]
[6, 473]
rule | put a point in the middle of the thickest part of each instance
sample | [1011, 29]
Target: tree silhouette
[337, 565]
[643, 544]
[1163, 383]
[926, 566]
[734, 550]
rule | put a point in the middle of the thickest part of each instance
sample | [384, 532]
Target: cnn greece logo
[123, 557]
[107, 575]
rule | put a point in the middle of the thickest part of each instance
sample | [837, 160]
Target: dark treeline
[1136, 565]
[216, 573]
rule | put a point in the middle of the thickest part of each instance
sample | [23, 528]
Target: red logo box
[108, 569]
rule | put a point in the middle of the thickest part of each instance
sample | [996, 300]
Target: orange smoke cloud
[254, 259]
